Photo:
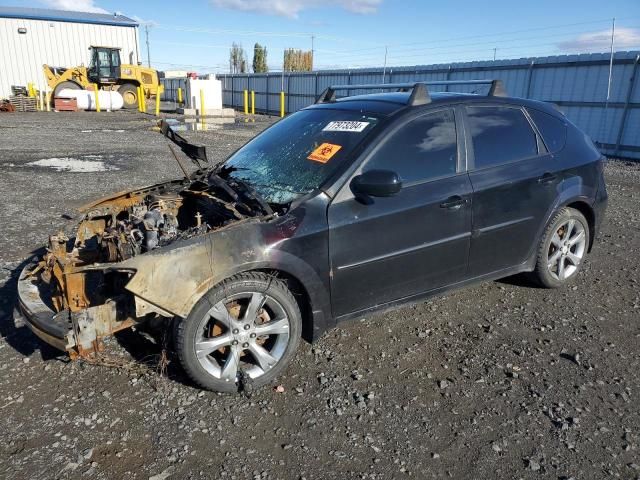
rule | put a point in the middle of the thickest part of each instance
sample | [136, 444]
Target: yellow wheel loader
[105, 70]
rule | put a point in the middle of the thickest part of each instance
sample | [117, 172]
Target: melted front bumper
[79, 333]
[55, 328]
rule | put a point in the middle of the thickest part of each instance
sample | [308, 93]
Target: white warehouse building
[31, 37]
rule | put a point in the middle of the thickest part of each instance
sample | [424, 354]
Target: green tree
[260, 59]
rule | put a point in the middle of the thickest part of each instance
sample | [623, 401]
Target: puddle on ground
[198, 124]
[85, 164]
[105, 130]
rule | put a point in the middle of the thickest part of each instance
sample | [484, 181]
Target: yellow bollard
[48, 100]
[246, 102]
[180, 95]
[41, 101]
[139, 94]
[253, 102]
[96, 93]
[281, 104]
[202, 110]
[158, 92]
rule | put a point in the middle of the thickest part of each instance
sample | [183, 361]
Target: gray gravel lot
[502, 380]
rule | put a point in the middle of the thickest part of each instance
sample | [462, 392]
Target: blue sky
[196, 34]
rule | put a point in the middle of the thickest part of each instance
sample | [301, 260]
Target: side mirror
[376, 183]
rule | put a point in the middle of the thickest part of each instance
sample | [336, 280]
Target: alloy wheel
[567, 249]
[244, 334]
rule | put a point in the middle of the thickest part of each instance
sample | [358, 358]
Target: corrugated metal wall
[60, 44]
[577, 83]
[171, 86]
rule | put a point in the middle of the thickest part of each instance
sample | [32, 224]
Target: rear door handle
[453, 203]
[547, 178]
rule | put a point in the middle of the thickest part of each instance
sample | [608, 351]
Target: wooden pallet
[24, 104]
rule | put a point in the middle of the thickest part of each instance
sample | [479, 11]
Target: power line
[551, 27]
[435, 46]
[438, 48]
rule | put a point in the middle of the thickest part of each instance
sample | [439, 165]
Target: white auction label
[345, 126]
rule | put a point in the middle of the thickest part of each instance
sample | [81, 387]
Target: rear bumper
[54, 328]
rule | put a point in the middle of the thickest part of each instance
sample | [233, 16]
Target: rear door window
[552, 129]
[423, 149]
[500, 135]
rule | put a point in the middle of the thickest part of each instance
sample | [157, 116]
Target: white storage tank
[109, 100]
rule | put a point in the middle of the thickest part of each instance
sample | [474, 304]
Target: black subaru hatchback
[351, 205]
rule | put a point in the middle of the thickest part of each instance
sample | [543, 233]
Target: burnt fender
[175, 277]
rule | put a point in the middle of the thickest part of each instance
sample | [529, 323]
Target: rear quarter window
[552, 129]
[500, 135]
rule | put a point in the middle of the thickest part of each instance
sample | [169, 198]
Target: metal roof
[66, 16]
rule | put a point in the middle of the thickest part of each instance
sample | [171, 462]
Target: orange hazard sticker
[324, 152]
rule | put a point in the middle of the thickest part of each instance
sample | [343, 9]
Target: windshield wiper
[274, 185]
[250, 192]
[235, 187]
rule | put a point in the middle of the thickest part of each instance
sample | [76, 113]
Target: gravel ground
[498, 381]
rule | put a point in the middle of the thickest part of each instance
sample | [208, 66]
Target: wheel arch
[128, 81]
[310, 292]
[573, 193]
[302, 297]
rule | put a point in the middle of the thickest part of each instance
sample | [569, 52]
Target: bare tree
[296, 60]
[237, 59]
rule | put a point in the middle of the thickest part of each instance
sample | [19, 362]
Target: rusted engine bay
[83, 276]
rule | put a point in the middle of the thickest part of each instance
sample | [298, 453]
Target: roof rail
[419, 92]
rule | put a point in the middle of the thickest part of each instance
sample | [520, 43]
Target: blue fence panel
[576, 83]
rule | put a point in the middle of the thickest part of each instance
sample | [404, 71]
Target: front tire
[243, 331]
[562, 249]
[129, 94]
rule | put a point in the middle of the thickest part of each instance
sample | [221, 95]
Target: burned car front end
[161, 251]
[134, 255]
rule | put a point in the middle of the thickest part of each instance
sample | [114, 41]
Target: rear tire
[241, 335]
[563, 249]
[129, 94]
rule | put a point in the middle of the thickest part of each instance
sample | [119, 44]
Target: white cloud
[75, 5]
[625, 39]
[291, 8]
[142, 21]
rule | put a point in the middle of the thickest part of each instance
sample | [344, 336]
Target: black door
[412, 242]
[514, 184]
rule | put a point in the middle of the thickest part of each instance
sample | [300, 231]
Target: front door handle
[454, 202]
[547, 178]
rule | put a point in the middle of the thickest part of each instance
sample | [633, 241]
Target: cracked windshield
[299, 153]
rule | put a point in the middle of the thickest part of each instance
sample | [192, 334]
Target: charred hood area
[116, 229]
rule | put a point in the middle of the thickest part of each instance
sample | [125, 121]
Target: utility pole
[384, 69]
[494, 54]
[613, 36]
[313, 37]
[146, 31]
